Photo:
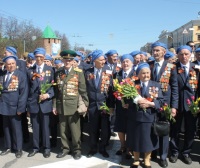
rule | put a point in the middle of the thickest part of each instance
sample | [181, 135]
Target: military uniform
[69, 86]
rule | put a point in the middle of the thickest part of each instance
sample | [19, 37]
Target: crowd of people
[62, 92]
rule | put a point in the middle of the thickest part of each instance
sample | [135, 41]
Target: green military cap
[68, 54]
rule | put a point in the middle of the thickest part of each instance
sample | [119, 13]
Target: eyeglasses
[192, 46]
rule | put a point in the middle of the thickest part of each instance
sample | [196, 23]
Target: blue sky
[124, 25]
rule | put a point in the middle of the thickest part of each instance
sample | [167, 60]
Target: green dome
[48, 33]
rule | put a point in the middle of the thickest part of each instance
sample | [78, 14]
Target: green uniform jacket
[68, 89]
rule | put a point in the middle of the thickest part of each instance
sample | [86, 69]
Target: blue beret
[31, 56]
[9, 57]
[90, 54]
[159, 44]
[111, 52]
[141, 66]
[134, 53]
[183, 47]
[197, 50]
[80, 54]
[76, 59]
[56, 62]
[40, 51]
[48, 57]
[126, 56]
[144, 53]
[169, 54]
[151, 59]
[96, 54]
[11, 50]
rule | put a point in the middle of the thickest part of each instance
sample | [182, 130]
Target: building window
[198, 27]
[198, 37]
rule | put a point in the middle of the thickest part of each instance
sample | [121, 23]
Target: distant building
[52, 43]
[188, 32]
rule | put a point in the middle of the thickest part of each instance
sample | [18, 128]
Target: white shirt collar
[127, 72]
[146, 83]
[187, 65]
[160, 63]
[41, 66]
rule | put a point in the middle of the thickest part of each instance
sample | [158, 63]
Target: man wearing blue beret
[112, 57]
[170, 57]
[48, 60]
[187, 76]
[137, 58]
[98, 81]
[39, 103]
[21, 65]
[14, 93]
[30, 60]
[58, 64]
[165, 73]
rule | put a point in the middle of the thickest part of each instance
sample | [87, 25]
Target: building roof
[48, 33]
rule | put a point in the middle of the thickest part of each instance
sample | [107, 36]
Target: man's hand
[19, 113]
[44, 96]
[111, 110]
[173, 112]
[55, 111]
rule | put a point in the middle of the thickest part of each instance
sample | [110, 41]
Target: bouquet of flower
[167, 113]
[125, 89]
[105, 108]
[45, 86]
[193, 105]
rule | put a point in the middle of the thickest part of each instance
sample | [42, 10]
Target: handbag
[161, 128]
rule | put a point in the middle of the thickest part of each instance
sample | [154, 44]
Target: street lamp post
[24, 45]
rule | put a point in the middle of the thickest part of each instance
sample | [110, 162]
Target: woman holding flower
[122, 108]
[140, 137]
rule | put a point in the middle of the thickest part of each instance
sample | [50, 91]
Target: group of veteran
[72, 82]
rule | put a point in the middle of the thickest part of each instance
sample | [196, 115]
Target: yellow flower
[196, 102]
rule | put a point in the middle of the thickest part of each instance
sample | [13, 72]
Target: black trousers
[99, 126]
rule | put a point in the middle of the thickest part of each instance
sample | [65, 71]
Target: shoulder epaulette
[78, 70]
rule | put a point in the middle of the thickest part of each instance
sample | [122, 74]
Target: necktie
[7, 79]
[185, 71]
[143, 89]
[156, 71]
[39, 70]
[66, 72]
[97, 79]
[125, 75]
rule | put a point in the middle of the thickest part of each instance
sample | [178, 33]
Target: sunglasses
[192, 46]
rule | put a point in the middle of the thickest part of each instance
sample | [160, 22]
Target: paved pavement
[114, 161]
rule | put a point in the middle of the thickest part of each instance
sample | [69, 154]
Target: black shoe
[113, 134]
[62, 154]
[145, 166]
[33, 153]
[134, 166]
[18, 153]
[187, 159]
[163, 163]
[5, 152]
[104, 154]
[154, 155]
[77, 156]
[91, 153]
[46, 154]
[128, 156]
[173, 158]
[121, 151]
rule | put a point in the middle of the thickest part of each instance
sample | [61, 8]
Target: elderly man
[70, 84]
[30, 60]
[161, 69]
[98, 81]
[14, 93]
[185, 121]
[137, 58]
[112, 57]
[39, 103]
